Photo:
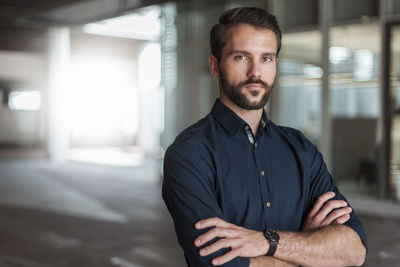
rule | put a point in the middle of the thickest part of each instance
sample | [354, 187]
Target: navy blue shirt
[270, 182]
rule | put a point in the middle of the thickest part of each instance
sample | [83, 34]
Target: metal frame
[325, 20]
[384, 175]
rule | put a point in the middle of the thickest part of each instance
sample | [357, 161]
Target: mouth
[254, 86]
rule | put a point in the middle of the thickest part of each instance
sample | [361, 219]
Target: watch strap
[273, 239]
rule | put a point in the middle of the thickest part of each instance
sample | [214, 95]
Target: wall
[21, 71]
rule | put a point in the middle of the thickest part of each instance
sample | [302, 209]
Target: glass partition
[299, 83]
[355, 106]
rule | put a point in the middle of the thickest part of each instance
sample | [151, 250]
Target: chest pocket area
[240, 194]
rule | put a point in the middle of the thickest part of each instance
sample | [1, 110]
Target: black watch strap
[273, 238]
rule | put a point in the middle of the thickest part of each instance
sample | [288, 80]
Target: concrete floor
[85, 215]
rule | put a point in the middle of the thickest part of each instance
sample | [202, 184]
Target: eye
[240, 58]
[268, 59]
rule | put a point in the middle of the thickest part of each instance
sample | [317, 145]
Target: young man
[243, 191]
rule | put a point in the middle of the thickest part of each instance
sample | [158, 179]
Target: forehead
[251, 39]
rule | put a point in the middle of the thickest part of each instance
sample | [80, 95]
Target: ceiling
[23, 23]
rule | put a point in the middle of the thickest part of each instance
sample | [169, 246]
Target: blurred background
[93, 91]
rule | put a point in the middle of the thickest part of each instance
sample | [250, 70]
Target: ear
[214, 65]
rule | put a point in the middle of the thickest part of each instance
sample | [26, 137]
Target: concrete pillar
[58, 58]
[149, 77]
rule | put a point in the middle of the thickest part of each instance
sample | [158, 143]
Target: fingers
[226, 257]
[329, 207]
[342, 219]
[321, 200]
[215, 221]
[336, 214]
[222, 243]
[213, 233]
[326, 211]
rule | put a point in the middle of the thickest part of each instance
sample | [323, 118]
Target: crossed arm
[323, 241]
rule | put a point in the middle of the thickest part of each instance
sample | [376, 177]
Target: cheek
[236, 73]
[270, 72]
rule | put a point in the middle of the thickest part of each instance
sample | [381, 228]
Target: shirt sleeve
[188, 192]
[321, 182]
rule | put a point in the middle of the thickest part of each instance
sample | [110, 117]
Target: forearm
[264, 261]
[335, 245]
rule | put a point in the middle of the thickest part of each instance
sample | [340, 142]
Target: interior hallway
[84, 215]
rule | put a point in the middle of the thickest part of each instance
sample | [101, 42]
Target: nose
[254, 70]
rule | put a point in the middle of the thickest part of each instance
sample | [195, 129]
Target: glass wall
[298, 87]
[355, 105]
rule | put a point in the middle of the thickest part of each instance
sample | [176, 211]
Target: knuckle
[339, 203]
[321, 199]
[337, 213]
[215, 231]
[330, 205]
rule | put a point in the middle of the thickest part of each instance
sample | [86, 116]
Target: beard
[234, 92]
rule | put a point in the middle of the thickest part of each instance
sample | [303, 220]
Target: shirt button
[262, 173]
[268, 204]
[255, 145]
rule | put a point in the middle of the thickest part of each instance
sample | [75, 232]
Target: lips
[254, 86]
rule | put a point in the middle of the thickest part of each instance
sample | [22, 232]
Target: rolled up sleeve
[321, 182]
[188, 192]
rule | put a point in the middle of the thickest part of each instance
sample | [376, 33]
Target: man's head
[244, 47]
[253, 16]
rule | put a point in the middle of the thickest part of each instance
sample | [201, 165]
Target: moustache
[254, 81]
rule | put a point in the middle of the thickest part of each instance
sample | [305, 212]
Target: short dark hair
[256, 17]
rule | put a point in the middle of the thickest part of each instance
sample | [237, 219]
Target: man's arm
[188, 192]
[334, 245]
[263, 261]
[322, 214]
[344, 247]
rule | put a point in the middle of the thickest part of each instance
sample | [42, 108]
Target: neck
[252, 117]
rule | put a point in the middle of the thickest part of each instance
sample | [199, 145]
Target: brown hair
[257, 17]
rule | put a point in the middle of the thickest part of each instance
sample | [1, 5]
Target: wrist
[264, 245]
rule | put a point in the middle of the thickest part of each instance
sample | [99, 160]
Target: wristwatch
[273, 238]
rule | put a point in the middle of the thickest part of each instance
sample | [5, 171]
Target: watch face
[275, 236]
[272, 235]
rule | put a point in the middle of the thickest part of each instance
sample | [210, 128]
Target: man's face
[247, 67]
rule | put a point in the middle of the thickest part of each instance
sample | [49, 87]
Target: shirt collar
[232, 122]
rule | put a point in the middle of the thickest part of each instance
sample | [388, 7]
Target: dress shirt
[218, 168]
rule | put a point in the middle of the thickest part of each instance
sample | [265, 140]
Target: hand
[243, 242]
[323, 213]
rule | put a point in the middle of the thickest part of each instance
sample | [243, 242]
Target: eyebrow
[247, 53]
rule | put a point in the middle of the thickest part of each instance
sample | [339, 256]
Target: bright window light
[312, 71]
[143, 25]
[363, 65]
[150, 66]
[339, 54]
[105, 99]
[27, 100]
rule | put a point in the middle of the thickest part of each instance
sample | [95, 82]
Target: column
[58, 57]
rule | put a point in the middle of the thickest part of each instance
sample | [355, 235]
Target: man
[243, 191]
